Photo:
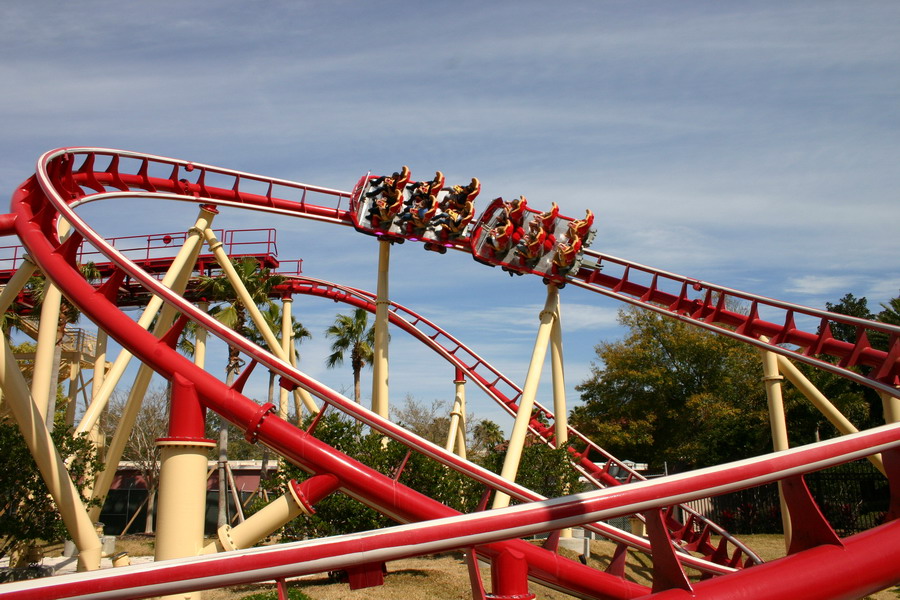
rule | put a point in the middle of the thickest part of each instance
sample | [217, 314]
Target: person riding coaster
[390, 202]
[500, 237]
[458, 208]
[423, 202]
[533, 245]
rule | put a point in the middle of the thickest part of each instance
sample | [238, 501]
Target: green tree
[851, 306]
[543, 469]
[338, 513]
[28, 514]
[486, 435]
[673, 393]
[890, 312]
[352, 335]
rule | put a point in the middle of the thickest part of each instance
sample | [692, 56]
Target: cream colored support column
[456, 436]
[259, 526]
[182, 479]
[829, 410]
[98, 440]
[45, 353]
[891, 406]
[99, 362]
[46, 349]
[72, 395]
[529, 391]
[15, 285]
[53, 470]
[380, 404]
[200, 340]
[302, 398]
[778, 424]
[287, 345]
[298, 500]
[181, 268]
[241, 290]
[560, 410]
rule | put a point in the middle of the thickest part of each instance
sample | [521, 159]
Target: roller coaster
[519, 239]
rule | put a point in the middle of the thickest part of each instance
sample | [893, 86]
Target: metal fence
[853, 497]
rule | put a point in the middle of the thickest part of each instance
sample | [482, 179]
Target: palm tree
[351, 333]
[230, 311]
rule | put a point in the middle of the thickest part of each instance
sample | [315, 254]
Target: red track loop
[60, 184]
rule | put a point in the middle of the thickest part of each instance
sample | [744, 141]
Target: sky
[753, 145]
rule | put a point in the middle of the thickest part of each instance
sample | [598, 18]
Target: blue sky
[753, 145]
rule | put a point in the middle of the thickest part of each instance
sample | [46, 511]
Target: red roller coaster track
[68, 177]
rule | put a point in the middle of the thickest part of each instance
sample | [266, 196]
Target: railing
[158, 246]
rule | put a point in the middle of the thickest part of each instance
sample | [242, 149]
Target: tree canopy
[672, 394]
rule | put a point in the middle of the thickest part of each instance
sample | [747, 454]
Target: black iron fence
[853, 497]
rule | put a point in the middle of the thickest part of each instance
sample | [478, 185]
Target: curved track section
[59, 186]
[731, 551]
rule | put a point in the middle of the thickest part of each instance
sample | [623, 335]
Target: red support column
[509, 577]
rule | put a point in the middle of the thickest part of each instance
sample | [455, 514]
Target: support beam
[380, 404]
[53, 470]
[891, 407]
[529, 392]
[181, 507]
[298, 500]
[180, 270]
[252, 309]
[560, 409]
[287, 345]
[778, 423]
[456, 436]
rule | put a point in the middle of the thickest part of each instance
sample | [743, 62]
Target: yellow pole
[183, 263]
[456, 436]
[891, 406]
[42, 374]
[14, 286]
[53, 470]
[182, 479]
[287, 345]
[529, 391]
[74, 372]
[200, 340]
[16, 283]
[380, 369]
[259, 525]
[778, 424]
[560, 410]
[271, 341]
[46, 348]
